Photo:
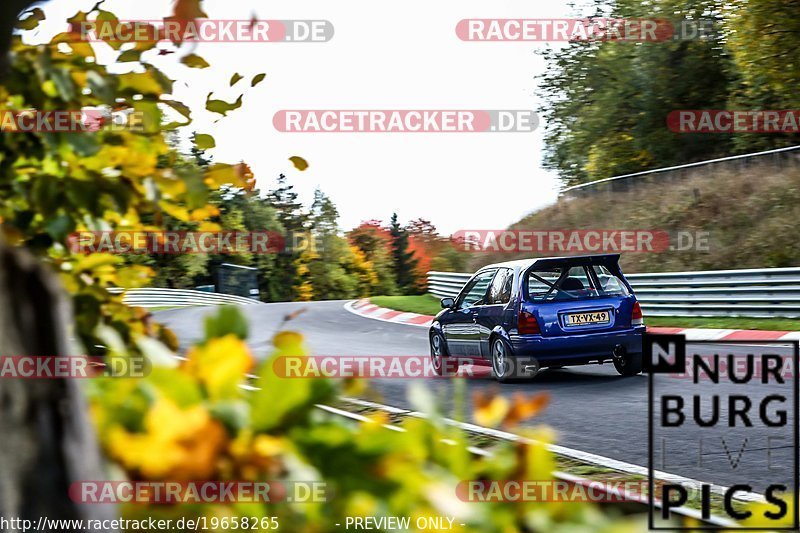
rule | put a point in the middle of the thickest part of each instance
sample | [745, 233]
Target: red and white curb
[698, 334]
[367, 309]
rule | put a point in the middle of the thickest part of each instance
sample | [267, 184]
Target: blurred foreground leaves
[122, 177]
[193, 420]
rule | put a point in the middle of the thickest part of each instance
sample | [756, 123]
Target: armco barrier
[156, 297]
[767, 292]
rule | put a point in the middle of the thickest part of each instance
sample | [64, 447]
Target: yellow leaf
[299, 163]
[537, 459]
[142, 83]
[288, 342]
[221, 106]
[203, 213]
[237, 175]
[203, 141]
[30, 22]
[188, 10]
[177, 444]
[221, 174]
[490, 409]
[134, 276]
[209, 226]
[525, 406]
[220, 365]
[194, 61]
[258, 78]
[177, 211]
[93, 261]
[268, 446]
[49, 88]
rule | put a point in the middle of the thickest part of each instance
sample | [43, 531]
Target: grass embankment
[751, 216]
[425, 304]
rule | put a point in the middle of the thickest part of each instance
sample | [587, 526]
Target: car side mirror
[448, 303]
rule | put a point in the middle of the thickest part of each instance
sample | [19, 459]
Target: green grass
[776, 324]
[425, 304]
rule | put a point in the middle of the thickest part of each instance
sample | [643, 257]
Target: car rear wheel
[628, 364]
[503, 363]
[438, 353]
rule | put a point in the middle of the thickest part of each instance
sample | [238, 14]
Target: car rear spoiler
[610, 261]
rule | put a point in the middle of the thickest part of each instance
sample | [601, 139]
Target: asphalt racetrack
[592, 408]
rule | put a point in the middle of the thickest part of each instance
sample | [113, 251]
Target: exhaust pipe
[532, 368]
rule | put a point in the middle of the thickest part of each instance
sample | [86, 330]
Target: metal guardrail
[768, 292]
[779, 156]
[158, 297]
[443, 284]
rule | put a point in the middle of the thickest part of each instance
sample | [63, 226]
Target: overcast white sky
[383, 56]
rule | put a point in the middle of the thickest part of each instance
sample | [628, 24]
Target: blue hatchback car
[521, 316]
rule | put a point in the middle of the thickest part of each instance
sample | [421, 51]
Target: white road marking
[567, 452]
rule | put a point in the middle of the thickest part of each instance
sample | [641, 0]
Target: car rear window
[574, 282]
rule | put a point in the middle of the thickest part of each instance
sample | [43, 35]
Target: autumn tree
[606, 102]
[374, 241]
[763, 38]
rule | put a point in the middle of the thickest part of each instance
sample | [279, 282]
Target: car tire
[504, 365]
[629, 364]
[438, 353]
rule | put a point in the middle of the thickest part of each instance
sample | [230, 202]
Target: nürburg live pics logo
[723, 415]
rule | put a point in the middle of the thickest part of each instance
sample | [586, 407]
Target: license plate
[592, 317]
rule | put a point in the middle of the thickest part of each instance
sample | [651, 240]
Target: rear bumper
[576, 349]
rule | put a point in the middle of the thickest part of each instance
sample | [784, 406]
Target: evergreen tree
[403, 260]
[293, 219]
[290, 210]
[324, 215]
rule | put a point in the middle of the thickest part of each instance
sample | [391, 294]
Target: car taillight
[636, 317]
[527, 324]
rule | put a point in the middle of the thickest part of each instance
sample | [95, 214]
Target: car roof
[525, 263]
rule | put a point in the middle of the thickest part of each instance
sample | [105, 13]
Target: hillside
[751, 215]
